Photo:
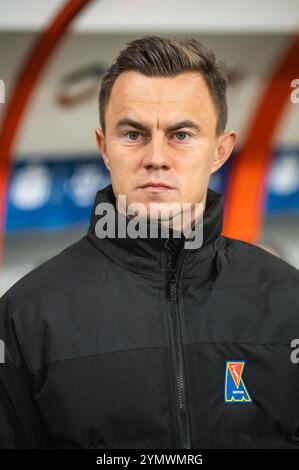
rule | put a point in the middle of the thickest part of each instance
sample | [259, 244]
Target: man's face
[162, 130]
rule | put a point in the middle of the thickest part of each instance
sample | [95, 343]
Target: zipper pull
[172, 276]
[166, 244]
[171, 270]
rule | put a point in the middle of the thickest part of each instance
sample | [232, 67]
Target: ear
[100, 138]
[225, 144]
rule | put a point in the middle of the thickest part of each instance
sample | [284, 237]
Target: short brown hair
[156, 56]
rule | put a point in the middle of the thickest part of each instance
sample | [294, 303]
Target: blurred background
[52, 57]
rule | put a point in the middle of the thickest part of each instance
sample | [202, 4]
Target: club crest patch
[235, 390]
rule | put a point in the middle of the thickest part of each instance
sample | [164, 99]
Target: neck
[185, 221]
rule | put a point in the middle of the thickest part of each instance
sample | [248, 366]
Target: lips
[157, 185]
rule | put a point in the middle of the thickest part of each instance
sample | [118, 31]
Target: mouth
[156, 187]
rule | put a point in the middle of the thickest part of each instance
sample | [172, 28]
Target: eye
[182, 134]
[134, 133]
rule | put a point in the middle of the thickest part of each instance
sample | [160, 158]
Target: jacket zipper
[174, 264]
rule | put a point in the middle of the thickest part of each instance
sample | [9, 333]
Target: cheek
[198, 163]
[191, 171]
[121, 159]
[123, 170]
[193, 177]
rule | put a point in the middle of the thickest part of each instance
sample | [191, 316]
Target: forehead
[133, 91]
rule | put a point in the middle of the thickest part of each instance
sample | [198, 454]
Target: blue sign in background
[51, 194]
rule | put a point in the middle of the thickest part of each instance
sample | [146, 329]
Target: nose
[157, 153]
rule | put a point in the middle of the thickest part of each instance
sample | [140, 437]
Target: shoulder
[261, 287]
[258, 263]
[49, 302]
[62, 273]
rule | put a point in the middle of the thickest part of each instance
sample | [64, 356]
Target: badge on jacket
[235, 390]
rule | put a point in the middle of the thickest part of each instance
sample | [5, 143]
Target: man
[176, 341]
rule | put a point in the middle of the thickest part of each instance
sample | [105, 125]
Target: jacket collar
[143, 255]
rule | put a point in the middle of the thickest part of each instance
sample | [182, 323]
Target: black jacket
[142, 343]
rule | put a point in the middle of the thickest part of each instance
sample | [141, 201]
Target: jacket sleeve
[21, 425]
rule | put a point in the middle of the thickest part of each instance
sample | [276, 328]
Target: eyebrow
[142, 127]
